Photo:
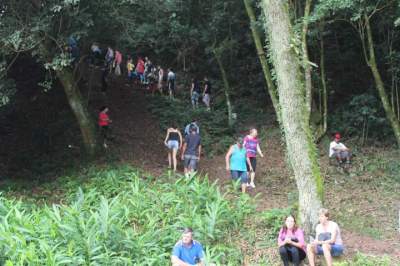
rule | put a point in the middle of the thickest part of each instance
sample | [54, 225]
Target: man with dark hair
[187, 251]
[191, 151]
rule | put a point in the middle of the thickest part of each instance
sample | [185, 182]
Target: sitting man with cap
[339, 150]
[187, 251]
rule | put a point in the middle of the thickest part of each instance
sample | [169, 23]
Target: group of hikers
[291, 244]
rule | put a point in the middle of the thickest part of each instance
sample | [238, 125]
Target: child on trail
[171, 82]
[130, 67]
[117, 63]
[195, 93]
[140, 69]
[104, 123]
[252, 146]
[292, 247]
[191, 152]
[173, 141]
[328, 240]
[339, 150]
[194, 124]
[207, 93]
[187, 251]
[235, 161]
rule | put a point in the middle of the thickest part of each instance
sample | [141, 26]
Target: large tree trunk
[306, 61]
[324, 86]
[300, 146]
[226, 88]
[79, 109]
[262, 57]
[391, 116]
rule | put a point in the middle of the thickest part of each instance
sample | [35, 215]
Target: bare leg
[244, 187]
[169, 159]
[327, 254]
[174, 151]
[311, 254]
[252, 176]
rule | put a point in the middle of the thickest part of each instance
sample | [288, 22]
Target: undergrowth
[118, 217]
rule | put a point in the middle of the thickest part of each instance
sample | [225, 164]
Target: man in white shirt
[339, 150]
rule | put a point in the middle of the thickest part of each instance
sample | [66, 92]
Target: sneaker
[247, 184]
[252, 185]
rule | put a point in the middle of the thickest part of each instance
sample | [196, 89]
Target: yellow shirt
[130, 66]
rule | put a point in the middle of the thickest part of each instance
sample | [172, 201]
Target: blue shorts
[242, 175]
[173, 144]
[336, 250]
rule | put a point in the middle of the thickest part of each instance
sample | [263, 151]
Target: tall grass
[117, 218]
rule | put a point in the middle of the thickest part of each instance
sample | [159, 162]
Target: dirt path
[140, 142]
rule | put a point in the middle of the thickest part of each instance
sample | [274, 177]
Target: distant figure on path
[207, 93]
[339, 150]
[236, 161]
[328, 240]
[195, 92]
[252, 146]
[117, 63]
[187, 251]
[191, 152]
[140, 69]
[171, 78]
[160, 83]
[130, 67]
[194, 124]
[104, 123]
[173, 141]
[292, 247]
[109, 58]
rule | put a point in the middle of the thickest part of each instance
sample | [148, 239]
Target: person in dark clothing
[191, 151]
[207, 93]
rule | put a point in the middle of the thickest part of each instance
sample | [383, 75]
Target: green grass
[118, 217]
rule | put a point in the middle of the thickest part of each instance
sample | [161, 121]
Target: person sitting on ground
[252, 146]
[187, 251]
[292, 247]
[191, 152]
[195, 93]
[328, 241]
[104, 123]
[173, 141]
[236, 160]
[339, 150]
[194, 124]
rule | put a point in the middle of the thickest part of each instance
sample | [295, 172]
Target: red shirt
[140, 66]
[103, 119]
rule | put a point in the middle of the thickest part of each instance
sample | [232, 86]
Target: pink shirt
[298, 234]
[118, 57]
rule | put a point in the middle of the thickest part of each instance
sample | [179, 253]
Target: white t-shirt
[335, 145]
[330, 228]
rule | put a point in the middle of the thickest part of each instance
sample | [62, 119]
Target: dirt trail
[140, 142]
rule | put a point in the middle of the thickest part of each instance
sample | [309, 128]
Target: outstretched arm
[227, 158]
[180, 139]
[183, 150]
[166, 137]
[259, 150]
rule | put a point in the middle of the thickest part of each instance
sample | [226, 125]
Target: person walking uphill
[173, 141]
[104, 123]
[236, 160]
[191, 152]
[252, 146]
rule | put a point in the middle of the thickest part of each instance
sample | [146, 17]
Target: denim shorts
[336, 250]
[241, 175]
[191, 161]
[173, 144]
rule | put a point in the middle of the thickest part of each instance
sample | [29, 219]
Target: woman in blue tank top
[236, 161]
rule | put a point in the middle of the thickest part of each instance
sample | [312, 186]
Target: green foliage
[117, 218]
[366, 260]
[273, 220]
[362, 116]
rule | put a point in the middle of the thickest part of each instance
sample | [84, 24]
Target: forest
[95, 94]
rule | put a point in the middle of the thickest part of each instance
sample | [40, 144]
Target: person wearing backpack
[192, 124]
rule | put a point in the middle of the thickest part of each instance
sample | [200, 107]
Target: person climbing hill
[252, 146]
[173, 141]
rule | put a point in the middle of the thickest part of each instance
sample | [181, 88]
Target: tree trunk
[323, 81]
[79, 109]
[263, 59]
[226, 89]
[306, 61]
[301, 149]
[391, 116]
